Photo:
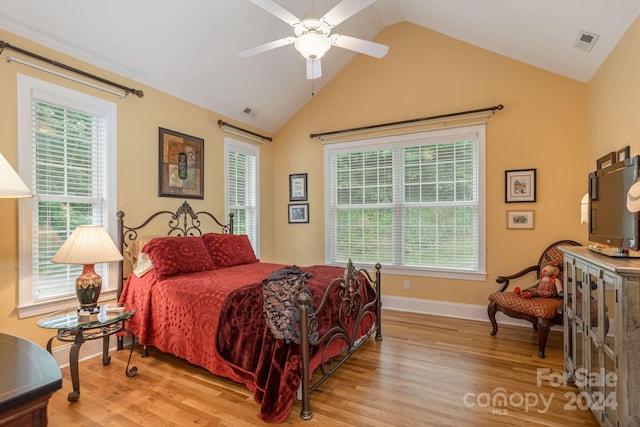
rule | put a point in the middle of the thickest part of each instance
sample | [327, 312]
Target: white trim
[231, 144]
[476, 132]
[89, 350]
[446, 309]
[28, 88]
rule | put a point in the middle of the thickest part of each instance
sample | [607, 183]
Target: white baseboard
[88, 350]
[447, 309]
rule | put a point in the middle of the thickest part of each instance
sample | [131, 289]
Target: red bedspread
[182, 315]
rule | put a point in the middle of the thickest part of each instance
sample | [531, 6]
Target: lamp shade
[11, 185]
[312, 45]
[633, 197]
[88, 244]
[584, 209]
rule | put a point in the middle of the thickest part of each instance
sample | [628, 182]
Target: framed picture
[520, 185]
[522, 220]
[606, 160]
[622, 154]
[298, 187]
[299, 213]
[181, 168]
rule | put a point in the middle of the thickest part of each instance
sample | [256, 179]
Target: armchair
[541, 312]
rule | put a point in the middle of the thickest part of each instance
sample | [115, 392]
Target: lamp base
[88, 287]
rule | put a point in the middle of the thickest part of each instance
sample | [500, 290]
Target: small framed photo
[622, 154]
[520, 220]
[181, 167]
[299, 213]
[520, 185]
[298, 187]
[606, 160]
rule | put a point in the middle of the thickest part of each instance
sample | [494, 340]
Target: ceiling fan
[313, 37]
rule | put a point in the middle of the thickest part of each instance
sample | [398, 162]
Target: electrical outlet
[407, 284]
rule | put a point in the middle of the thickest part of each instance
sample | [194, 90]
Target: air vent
[585, 41]
[250, 112]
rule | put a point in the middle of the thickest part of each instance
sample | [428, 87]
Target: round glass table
[78, 327]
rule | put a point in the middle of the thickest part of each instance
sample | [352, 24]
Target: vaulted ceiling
[189, 48]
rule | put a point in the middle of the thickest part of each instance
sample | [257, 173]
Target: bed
[202, 295]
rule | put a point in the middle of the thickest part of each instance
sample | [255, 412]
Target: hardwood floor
[427, 371]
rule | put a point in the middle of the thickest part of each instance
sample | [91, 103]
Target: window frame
[234, 145]
[403, 140]
[29, 88]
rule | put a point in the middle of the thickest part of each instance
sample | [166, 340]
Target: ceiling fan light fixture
[312, 45]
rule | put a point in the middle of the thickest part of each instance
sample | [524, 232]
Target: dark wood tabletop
[28, 372]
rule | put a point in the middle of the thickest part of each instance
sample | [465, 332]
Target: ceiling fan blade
[344, 10]
[376, 50]
[266, 46]
[278, 11]
[314, 70]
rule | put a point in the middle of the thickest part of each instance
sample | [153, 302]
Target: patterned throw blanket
[272, 368]
[280, 292]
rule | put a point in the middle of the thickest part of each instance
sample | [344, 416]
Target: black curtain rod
[229, 125]
[404, 122]
[4, 45]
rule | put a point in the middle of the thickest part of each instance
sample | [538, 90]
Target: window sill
[58, 304]
[421, 272]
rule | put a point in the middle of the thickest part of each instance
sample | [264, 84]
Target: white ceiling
[188, 48]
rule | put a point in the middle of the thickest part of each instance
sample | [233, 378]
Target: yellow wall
[542, 126]
[138, 122]
[426, 73]
[614, 100]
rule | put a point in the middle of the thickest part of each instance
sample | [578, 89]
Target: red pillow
[227, 250]
[174, 255]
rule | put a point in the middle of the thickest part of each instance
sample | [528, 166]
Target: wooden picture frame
[622, 154]
[299, 213]
[520, 220]
[181, 165]
[606, 160]
[520, 185]
[298, 187]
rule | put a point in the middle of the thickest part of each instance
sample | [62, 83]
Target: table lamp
[633, 197]
[88, 245]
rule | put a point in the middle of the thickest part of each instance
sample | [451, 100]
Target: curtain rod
[5, 45]
[403, 122]
[222, 123]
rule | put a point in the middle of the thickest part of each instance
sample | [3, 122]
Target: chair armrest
[504, 280]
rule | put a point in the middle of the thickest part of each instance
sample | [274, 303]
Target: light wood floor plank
[427, 371]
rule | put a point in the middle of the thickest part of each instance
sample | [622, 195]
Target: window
[414, 202]
[67, 150]
[241, 174]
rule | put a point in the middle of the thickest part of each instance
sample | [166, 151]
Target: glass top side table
[77, 328]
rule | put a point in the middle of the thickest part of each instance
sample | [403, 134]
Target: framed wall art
[299, 213]
[298, 187]
[520, 185]
[622, 154]
[181, 168]
[522, 220]
[606, 160]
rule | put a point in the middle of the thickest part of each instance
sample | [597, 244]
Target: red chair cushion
[545, 308]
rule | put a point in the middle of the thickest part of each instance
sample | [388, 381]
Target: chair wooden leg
[491, 311]
[544, 325]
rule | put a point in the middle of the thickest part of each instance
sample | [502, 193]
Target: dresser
[29, 376]
[602, 334]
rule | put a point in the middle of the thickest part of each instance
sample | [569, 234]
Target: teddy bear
[547, 286]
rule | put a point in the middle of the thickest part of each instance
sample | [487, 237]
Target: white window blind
[68, 176]
[242, 188]
[67, 151]
[408, 202]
